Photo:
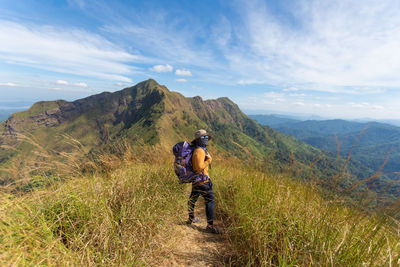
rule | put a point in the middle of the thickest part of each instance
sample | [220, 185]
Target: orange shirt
[198, 161]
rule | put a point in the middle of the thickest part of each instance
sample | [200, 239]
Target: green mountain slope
[272, 120]
[150, 114]
[373, 146]
[124, 215]
[146, 113]
[378, 144]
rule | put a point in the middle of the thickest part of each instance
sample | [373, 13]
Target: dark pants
[206, 191]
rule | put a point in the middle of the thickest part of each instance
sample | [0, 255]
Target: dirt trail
[191, 245]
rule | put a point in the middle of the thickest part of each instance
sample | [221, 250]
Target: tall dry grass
[88, 208]
[118, 219]
[114, 207]
[44, 166]
[275, 221]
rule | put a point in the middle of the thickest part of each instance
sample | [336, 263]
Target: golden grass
[115, 209]
[275, 221]
[111, 219]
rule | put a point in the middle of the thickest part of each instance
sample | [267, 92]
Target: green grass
[116, 219]
[121, 215]
[273, 220]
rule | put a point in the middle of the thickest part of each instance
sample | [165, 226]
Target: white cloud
[175, 42]
[162, 68]
[366, 105]
[221, 32]
[81, 84]
[120, 84]
[183, 72]
[334, 46]
[273, 95]
[181, 80]
[8, 84]
[78, 3]
[62, 82]
[197, 87]
[246, 82]
[378, 107]
[64, 50]
[268, 102]
[299, 103]
[298, 95]
[359, 105]
[291, 89]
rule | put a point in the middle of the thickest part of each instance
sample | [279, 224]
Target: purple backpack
[183, 162]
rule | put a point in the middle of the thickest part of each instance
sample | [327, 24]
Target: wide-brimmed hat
[200, 133]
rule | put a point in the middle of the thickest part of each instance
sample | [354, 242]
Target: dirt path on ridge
[190, 245]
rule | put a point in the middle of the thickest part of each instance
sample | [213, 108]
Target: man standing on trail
[202, 185]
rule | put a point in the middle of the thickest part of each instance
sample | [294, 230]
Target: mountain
[150, 114]
[129, 213]
[392, 122]
[147, 113]
[377, 145]
[273, 120]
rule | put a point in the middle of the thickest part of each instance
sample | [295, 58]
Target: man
[202, 185]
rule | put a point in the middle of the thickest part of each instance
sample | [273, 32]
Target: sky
[335, 59]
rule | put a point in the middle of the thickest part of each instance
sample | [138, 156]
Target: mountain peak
[149, 83]
[148, 112]
[149, 86]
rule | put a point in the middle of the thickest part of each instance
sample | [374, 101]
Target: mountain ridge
[147, 111]
[374, 145]
[373, 138]
[150, 114]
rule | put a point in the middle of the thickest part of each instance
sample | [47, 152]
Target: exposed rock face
[102, 114]
[121, 106]
[12, 126]
[48, 118]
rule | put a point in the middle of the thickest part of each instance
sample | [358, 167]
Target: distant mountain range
[377, 141]
[150, 114]
[271, 118]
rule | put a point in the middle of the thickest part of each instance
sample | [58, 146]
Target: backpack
[183, 152]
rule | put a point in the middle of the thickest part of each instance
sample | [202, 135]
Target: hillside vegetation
[150, 114]
[377, 141]
[122, 215]
[90, 182]
[377, 147]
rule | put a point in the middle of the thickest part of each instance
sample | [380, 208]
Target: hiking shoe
[194, 220]
[213, 229]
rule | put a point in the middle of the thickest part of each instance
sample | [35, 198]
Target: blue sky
[337, 59]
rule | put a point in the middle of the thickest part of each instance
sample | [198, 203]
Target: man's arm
[198, 162]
